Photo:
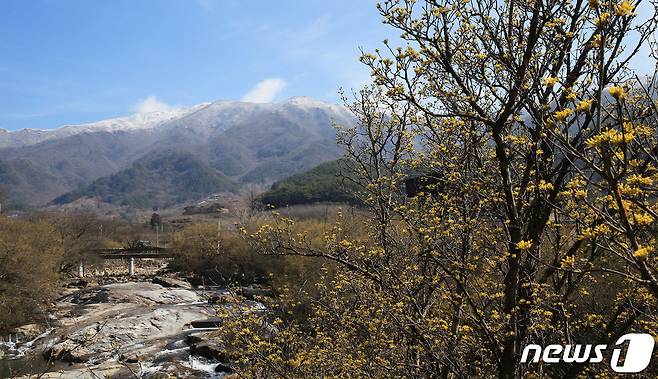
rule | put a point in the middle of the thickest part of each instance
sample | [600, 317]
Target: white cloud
[151, 104]
[265, 91]
[207, 5]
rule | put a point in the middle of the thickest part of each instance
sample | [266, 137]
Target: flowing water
[134, 318]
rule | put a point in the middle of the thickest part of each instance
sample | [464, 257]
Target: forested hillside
[324, 183]
[158, 180]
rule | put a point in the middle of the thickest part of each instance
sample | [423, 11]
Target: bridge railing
[131, 254]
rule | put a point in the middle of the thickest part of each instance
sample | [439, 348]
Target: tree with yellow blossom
[537, 220]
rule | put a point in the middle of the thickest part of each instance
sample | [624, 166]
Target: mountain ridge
[30, 136]
[160, 179]
[246, 142]
[159, 117]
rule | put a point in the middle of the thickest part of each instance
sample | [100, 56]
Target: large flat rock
[109, 330]
[122, 318]
[171, 282]
[133, 292]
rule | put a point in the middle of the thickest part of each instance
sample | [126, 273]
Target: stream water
[96, 326]
[19, 358]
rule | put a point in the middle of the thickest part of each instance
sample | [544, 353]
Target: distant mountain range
[165, 158]
[26, 137]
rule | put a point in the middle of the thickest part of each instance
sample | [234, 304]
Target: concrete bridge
[130, 253]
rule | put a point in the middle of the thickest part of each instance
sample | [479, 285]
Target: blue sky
[73, 61]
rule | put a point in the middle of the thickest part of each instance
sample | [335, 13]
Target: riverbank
[143, 329]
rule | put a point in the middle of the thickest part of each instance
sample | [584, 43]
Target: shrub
[30, 256]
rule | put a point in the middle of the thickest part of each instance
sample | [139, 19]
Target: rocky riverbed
[144, 329]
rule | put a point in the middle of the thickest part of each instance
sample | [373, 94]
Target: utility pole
[219, 227]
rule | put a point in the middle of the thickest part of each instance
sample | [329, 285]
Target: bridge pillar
[81, 269]
[131, 266]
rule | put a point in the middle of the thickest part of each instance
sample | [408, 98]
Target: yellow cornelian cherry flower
[602, 18]
[584, 105]
[580, 194]
[642, 219]
[439, 11]
[611, 136]
[563, 114]
[345, 244]
[524, 245]
[639, 180]
[596, 42]
[642, 252]
[568, 261]
[617, 92]
[545, 186]
[550, 81]
[624, 8]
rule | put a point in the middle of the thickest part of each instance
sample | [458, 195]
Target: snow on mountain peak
[138, 121]
[305, 101]
[218, 113]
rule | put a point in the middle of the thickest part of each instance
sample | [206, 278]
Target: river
[131, 329]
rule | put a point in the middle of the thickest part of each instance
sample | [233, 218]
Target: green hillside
[320, 184]
[160, 179]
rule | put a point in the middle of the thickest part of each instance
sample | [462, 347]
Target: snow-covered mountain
[26, 137]
[244, 142]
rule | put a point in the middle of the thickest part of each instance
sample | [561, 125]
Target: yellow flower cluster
[640, 180]
[550, 81]
[524, 245]
[596, 42]
[642, 219]
[598, 230]
[602, 18]
[563, 114]
[345, 244]
[580, 193]
[611, 136]
[642, 252]
[570, 95]
[584, 105]
[439, 11]
[516, 140]
[545, 186]
[625, 8]
[617, 92]
[568, 261]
